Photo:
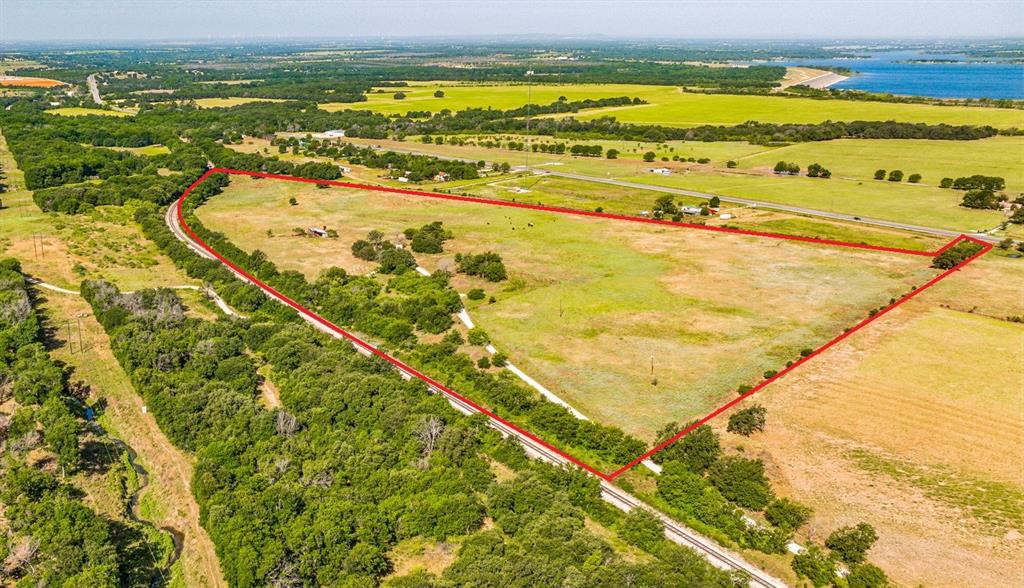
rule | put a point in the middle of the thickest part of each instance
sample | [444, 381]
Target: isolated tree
[612, 154]
[399, 96]
[650, 156]
[851, 544]
[946, 183]
[780, 167]
[438, 94]
[914, 178]
[896, 175]
[730, 164]
[747, 421]
[880, 174]
[715, 202]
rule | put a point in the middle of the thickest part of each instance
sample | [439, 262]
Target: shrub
[879, 174]
[914, 178]
[499, 359]
[475, 294]
[946, 183]
[730, 164]
[478, 336]
[896, 176]
[650, 156]
[293, 201]
[956, 255]
[483, 363]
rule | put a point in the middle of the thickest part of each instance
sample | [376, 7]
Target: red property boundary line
[986, 247]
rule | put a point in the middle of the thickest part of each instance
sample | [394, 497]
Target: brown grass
[915, 425]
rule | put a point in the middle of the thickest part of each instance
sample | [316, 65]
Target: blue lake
[884, 72]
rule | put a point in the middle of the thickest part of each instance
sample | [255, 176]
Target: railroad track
[675, 531]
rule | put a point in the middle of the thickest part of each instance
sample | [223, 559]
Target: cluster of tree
[704, 487]
[783, 167]
[665, 206]
[975, 182]
[956, 255]
[429, 238]
[848, 545]
[52, 538]
[376, 248]
[816, 170]
[415, 168]
[896, 175]
[488, 266]
[984, 199]
[586, 150]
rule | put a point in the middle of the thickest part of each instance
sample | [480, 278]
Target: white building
[661, 170]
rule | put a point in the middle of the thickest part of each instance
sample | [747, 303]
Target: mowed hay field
[934, 160]
[670, 106]
[79, 111]
[916, 425]
[591, 302]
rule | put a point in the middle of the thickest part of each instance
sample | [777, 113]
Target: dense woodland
[357, 460]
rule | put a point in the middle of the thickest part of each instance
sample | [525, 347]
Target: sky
[114, 20]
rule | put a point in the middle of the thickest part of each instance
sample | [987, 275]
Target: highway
[946, 233]
[94, 89]
[715, 554]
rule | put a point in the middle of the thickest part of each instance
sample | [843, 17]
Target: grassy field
[667, 105]
[590, 303]
[934, 160]
[849, 191]
[78, 111]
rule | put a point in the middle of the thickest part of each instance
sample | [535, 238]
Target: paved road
[733, 199]
[715, 554]
[94, 89]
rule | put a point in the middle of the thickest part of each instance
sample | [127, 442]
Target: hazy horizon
[63, 21]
